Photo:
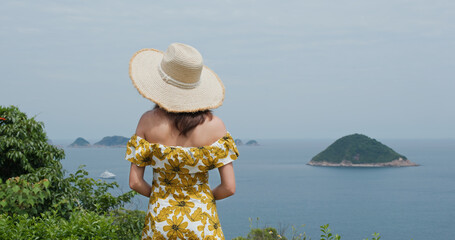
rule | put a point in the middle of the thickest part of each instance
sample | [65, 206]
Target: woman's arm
[137, 182]
[227, 186]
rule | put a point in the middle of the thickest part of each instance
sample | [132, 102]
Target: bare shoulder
[216, 125]
[211, 130]
[150, 120]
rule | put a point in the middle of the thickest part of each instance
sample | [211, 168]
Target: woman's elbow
[134, 184]
[230, 190]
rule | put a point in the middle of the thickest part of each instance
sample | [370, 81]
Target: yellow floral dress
[181, 204]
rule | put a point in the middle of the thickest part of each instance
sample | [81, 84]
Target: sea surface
[276, 188]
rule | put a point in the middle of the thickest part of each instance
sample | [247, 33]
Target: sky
[304, 69]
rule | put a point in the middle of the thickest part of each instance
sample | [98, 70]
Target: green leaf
[16, 189]
[26, 191]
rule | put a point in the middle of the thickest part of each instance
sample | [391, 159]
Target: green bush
[270, 233]
[90, 194]
[37, 181]
[26, 156]
[23, 145]
[80, 225]
[129, 223]
[38, 202]
[19, 196]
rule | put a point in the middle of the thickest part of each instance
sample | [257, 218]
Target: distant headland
[358, 150]
[119, 141]
[239, 142]
[80, 142]
[112, 141]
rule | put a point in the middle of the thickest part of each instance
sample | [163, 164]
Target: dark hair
[186, 121]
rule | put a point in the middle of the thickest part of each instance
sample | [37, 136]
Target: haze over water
[275, 184]
[294, 69]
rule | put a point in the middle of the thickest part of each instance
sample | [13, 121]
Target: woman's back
[156, 126]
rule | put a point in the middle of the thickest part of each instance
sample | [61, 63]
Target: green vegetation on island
[113, 141]
[80, 142]
[359, 150]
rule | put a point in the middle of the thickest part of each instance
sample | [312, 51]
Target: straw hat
[176, 80]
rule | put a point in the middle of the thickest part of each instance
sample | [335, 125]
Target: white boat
[107, 175]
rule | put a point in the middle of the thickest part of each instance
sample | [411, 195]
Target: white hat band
[168, 79]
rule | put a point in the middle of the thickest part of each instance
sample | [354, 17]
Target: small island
[112, 141]
[358, 150]
[239, 142]
[80, 142]
[252, 143]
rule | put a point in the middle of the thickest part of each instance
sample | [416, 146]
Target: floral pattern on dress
[181, 204]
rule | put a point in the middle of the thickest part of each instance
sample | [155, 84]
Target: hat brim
[144, 74]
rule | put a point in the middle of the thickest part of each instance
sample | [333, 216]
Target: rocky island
[80, 142]
[112, 141]
[239, 142]
[252, 143]
[358, 150]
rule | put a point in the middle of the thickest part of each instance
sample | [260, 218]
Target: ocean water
[276, 188]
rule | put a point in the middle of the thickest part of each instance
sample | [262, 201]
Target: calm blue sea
[275, 185]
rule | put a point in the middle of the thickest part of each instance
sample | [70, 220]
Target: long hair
[186, 121]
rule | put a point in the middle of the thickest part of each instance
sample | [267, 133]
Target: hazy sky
[292, 69]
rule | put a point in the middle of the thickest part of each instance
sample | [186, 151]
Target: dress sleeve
[228, 152]
[139, 152]
[223, 152]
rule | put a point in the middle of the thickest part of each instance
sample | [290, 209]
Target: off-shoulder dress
[181, 204]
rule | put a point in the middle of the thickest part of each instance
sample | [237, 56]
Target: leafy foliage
[93, 195]
[357, 148]
[38, 202]
[23, 145]
[267, 233]
[270, 233]
[375, 237]
[80, 225]
[327, 235]
[19, 196]
[129, 222]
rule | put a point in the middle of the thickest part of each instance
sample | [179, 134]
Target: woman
[181, 140]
